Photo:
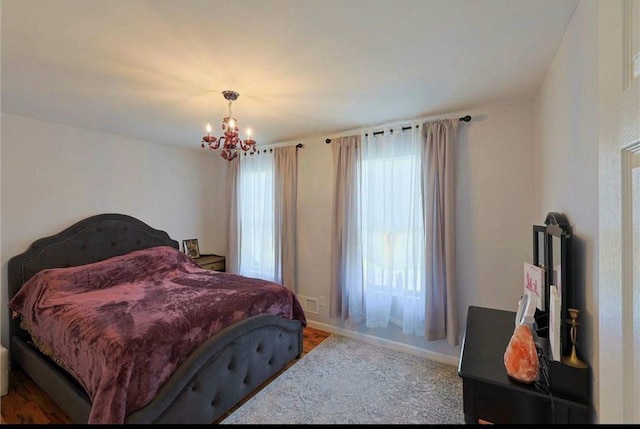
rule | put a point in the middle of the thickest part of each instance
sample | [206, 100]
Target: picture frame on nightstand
[191, 248]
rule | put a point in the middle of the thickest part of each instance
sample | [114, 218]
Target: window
[393, 244]
[263, 241]
[392, 231]
[256, 215]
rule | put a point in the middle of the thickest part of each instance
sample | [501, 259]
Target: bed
[207, 382]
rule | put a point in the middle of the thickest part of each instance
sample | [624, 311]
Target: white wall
[54, 175]
[569, 126]
[495, 215]
[566, 118]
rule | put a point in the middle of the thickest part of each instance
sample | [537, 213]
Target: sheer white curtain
[378, 248]
[392, 230]
[263, 226]
[255, 198]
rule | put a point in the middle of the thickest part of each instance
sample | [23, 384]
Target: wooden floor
[27, 403]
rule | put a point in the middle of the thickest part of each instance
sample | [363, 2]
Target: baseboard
[393, 345]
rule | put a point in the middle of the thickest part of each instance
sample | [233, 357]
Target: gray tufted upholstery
[224, 370]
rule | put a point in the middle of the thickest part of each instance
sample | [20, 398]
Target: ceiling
[154, 70]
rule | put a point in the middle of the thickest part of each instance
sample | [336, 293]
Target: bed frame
[219, 374]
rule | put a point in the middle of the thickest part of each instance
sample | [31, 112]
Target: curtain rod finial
[327, 141]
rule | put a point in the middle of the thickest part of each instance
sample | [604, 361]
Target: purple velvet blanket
[123, 325]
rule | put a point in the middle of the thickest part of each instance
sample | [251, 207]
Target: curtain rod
[298, 146]
[463, 119]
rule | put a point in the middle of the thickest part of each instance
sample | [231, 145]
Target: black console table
[488, 392]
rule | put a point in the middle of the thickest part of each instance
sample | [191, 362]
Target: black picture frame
[191, 248]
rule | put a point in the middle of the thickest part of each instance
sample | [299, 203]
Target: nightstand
[211, 262]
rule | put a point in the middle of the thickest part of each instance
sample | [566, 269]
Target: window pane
[392, 229]
[257, 246]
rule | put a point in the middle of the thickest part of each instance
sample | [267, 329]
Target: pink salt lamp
[521, 358]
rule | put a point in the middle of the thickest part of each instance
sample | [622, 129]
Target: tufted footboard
[225, 370]
[218, 375]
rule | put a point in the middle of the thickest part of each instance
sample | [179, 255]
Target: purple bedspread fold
[123, 325]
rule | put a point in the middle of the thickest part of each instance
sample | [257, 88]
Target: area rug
[347, 381]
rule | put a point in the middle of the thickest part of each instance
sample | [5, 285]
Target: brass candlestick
[573, 360]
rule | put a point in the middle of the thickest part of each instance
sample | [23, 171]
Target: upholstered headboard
[90, 240]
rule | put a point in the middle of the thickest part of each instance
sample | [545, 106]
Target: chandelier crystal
[230, 140]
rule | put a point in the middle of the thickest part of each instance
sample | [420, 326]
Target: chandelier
[230, 140]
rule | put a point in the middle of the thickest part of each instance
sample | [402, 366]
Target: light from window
[392, 232]
[255, 208]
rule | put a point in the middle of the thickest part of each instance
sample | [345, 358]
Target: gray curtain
[233, 250]
[345, 261]
[286, 179]
[441, 319]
